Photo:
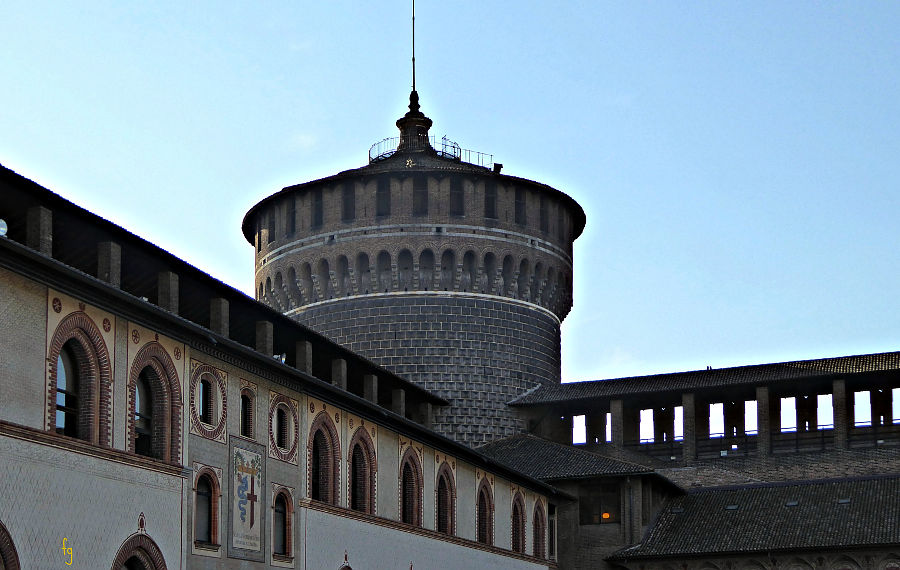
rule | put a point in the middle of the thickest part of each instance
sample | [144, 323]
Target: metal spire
[414, 43]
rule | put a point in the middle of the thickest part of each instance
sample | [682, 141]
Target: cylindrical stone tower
[442, 270]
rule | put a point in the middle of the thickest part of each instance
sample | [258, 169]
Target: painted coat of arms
[246, 523]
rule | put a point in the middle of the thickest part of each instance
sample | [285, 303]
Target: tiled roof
[817, 514]
[547, 460]
[740, 375]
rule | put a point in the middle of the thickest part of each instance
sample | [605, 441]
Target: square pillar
[426, 413]
[39, 230]
[663, 424]
[167, 291]
[303, 353]
[339, 373]
[842, 415]
[882, 412]
[807, 413]
[617, 419]
[370, 388]
[109, 263]
[218, 316]
[398, 401]
[689, 414]
[596, 427]
[734, 418]
[265, 338]
[763, 421]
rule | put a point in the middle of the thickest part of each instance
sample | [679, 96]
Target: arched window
[361, 472]
[9, 558]
[67, 382]
[539, 531]
[282, 534]
[324, 460]
[281, 428]
[485, 514]
[247, 413]
[411, 489]
[206, 509]
[79, 395]
[206, 415]
[518, 524]
[445, 501]
[154, 405]
[143, 416]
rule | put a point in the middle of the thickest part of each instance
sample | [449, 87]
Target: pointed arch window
[445, 501]
[485, 513]
[518, 524]
[539, 531]
[324, 460]
[361, 472]
[411, 489]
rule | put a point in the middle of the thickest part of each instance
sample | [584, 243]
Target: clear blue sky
[738, 162]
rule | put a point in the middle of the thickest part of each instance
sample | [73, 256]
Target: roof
[713, 378]
[783, 516]
[548, 460]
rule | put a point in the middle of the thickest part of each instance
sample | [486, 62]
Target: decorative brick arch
[412, 491]
[367, 485]
[446, 473]
[141, 547]
[330, 464]
[95, 375]
[166, 393]
[8, 555]
[517, 523]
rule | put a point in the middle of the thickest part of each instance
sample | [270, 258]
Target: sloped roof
[819, 514]
[739, 375]
[548, 460]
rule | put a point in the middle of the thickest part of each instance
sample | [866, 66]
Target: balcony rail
[385, 148]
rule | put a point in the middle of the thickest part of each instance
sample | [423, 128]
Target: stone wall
[478, 352]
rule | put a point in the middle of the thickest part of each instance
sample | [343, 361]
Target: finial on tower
[414, 44]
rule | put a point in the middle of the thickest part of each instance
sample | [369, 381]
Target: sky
[737, 161]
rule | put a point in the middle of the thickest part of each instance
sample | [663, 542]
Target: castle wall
[479, 352]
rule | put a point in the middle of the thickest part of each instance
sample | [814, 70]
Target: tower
[431, 264]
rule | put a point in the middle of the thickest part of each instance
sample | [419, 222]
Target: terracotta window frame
[213, 513]
[410, 486]
[484, 513]
[153, 363]
[361, 478]
[445, 506]
[517, 524]
[79, 338]
[323, 461]
[287, 531]
[539, 531]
